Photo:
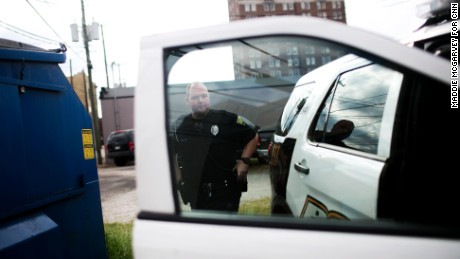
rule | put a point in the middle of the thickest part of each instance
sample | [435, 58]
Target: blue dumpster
[50, 203]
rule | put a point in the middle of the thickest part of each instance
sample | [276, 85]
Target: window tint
[352, 115]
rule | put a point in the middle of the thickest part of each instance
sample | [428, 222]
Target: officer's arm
[177, 169]
[250, 147]
[241, 167]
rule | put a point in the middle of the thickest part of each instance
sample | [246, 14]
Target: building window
[325, 59]
[276, 51]
[289, 62]
[295, 51]
[288, 6]
[296, 62]
[251, 53]
[309, 50]
[271, 63]
[269, 7]
[258, 63]
[250, 8]
[288, 51]
[252, 64]
[325, 50]
[310, 61]
[305, 5]
[320, 5]
[277, 63]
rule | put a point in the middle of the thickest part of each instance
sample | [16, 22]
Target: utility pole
[95, 116]
[116, 113]
[105, 57]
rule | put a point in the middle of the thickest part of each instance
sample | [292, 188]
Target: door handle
[302, 169]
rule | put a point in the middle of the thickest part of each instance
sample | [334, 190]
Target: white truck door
[250, 66]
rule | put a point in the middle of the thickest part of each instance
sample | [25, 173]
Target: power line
[34, 36]
[26, 33]
[45, 21]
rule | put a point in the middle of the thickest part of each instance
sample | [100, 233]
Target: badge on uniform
[214, 129]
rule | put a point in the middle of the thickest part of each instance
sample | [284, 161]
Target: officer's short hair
[187, 88]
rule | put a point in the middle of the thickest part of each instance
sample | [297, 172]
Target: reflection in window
[252, 78]
[296, 62]
[309, 50]
[310, 61]
[352, 114]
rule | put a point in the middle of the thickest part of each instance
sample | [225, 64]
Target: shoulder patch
[240, 120]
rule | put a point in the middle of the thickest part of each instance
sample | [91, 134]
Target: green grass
[118, 236]
[256, 207]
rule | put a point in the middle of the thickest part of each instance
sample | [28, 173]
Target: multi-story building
[328, 9]
[284, 58]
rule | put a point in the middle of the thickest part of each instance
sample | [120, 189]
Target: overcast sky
[45, 22]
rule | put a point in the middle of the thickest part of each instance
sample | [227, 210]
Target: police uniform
[207, 150]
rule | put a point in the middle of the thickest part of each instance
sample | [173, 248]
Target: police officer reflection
[213, 149]
[340, 130]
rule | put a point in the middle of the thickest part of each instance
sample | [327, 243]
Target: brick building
[284, 58]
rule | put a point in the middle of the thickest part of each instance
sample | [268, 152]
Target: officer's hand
[241, 170]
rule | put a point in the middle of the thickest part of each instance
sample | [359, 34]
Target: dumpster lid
[6, 43]
[15, 50]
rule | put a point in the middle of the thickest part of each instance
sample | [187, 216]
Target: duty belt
[209, 187]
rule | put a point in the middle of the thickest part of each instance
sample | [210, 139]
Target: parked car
[282, 144]
[382, 191]
[265, 136]
[120, 146]
[433, 36]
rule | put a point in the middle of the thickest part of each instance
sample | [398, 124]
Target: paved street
[118, 193]
[119, 198]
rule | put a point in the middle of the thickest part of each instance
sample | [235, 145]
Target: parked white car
[386, 193]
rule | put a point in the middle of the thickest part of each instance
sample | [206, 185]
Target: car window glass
[118, 136]
[253, 79]
[353, 113]
[294, 105]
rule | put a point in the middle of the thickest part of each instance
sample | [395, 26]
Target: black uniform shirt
[207, 148]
